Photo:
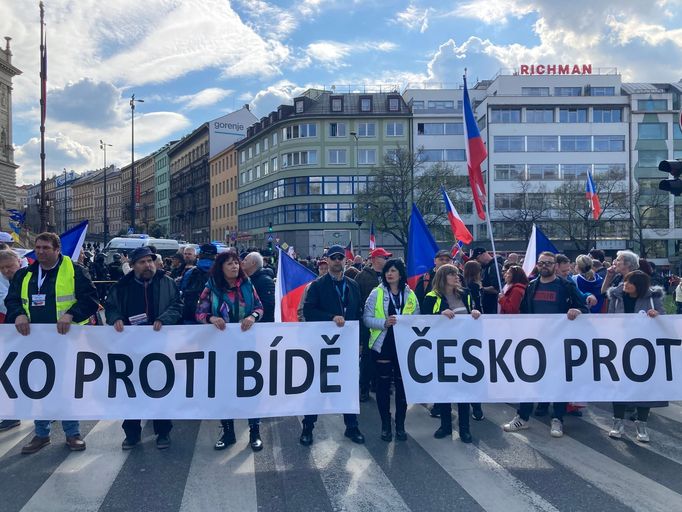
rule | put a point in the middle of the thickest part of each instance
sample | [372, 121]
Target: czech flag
[592, 197]
[476, 153]
[421, 248]
[72, 242]
[538, 243]
[459, 229]
[292, 278]
[349, 251]
[372, 238]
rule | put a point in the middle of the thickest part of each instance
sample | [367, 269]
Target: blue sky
[194, 60]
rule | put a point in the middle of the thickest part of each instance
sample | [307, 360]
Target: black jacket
[573, 297]
[167, 300]
[263, 282]
[86, 295]
[322, 303]
[423, 287]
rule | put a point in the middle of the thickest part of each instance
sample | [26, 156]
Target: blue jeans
[71, 428]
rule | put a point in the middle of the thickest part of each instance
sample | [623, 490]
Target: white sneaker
[557, 428]
[515, 425]
[642, 432]
[618, 428]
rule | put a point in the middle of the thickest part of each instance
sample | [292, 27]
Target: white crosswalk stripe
[513, 472]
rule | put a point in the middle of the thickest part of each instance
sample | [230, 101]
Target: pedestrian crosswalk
[523, 471]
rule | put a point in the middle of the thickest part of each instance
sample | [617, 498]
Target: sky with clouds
[195, 60]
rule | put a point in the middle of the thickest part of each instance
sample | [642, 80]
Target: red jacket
[510, 302]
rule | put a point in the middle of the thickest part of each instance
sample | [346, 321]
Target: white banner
[540, 358]
[180, 372]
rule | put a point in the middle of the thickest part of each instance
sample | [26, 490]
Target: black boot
[400, 434]
[445, 429]
[227, 437]
[464, 434]
[254, 438]
[386, 434]
[306, 438]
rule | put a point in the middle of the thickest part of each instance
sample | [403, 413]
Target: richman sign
[555, 69]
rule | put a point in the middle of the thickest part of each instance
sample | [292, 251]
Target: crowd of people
[222, 288]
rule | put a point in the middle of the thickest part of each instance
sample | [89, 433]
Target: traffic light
[674, 185]
[270, 227]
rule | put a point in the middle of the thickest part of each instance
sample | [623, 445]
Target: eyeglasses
[336, 257]
[545, 263]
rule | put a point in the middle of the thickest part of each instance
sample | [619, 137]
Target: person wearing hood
[635, 295]
[145, 296]
[193, 281]
[263, 281]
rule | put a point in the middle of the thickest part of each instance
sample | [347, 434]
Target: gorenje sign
[555, 69]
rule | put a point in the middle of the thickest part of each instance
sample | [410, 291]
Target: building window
[609, 143]
[299, 105]
[534, 91]
[509, 172]
[572, 115]
[250, 152]
[395, 129]
[652, 105]
[365, 104]
[300, 131]
[266, 141]
[299, 158]
[543, 143]
[616, 171]
[508, 201]
[337, 157]
[266, 168]
[543, 172]
[441, 105]
[508, 143]
[440, 129]
[651, 157]
[575, 171]
[242, 156]
[539, 115]
[418, 105]
[607, 115]
[366, 129]
[337, 129]
[677, 132]
[394, 104]
[274, 139]
[367, 156]
[273, 162]
[505, 115]
[455, 155]
[576, 143]
[652, 131]
[602, 91]
[568, 91]
[336, 103]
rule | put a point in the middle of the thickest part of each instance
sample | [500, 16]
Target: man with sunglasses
[333, 297]
[548, 294]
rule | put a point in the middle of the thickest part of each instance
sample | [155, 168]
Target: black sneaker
[306, 438]
[354, 434]
[227, 437]
[254, 439]
[8, 424]
[129, 443]
[163, 441]
[477, 414]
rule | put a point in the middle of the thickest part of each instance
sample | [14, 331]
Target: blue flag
[421, 248]
[72, 242]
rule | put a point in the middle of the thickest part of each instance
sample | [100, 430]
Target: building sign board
[555, 69]
[228, 129]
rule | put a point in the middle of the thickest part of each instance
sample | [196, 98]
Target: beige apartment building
[83, 199]
[113, 208]
[224, 171]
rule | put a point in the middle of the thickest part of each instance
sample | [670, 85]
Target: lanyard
[342, 294]
[41, 277]
[399, 306]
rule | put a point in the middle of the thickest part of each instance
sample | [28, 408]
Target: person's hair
[561, 259]
[51, 238]
[629, 258]
[152, 248]
[472, 272]
[597, 254]
[518, 275]
[257, 257]
[584, 265]
[3, 246]
[548, 254]
[8, 254]
[645, 266]
[639, 280]
[440, 280]
[400, 267]
[191, 248]
[216, 271]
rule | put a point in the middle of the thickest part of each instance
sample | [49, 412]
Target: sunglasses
[545, 263]
[336, 257]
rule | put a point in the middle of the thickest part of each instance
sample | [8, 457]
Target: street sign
[284, 246]
[269, 238]
[131, 231]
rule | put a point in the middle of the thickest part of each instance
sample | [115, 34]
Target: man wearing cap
[145, 296]
[194, 281]
[367, 280]
[333, 297]
[490, 286]
[263, 281]
[52, 290]
[424, 284]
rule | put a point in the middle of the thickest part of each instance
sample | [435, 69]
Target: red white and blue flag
[459, 229]
[456, 248]
[372, 238]
[292, 278]
[349, 251]
[475, 152]
[592, 197]
[71, 242]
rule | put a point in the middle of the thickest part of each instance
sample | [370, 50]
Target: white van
[165, 247]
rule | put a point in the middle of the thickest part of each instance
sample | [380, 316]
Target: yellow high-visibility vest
[409, 308]
[64, 289]
[436, 306]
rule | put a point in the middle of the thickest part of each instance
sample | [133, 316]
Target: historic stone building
[7, 166]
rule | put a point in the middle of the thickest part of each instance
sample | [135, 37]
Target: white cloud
[268, 99]
[332, 54]
[266, 18]
[310, 7]
[204, 98]
[493, 11]
[414, 18]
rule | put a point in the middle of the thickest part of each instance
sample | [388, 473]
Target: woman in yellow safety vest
[388, 301]
[447, 297]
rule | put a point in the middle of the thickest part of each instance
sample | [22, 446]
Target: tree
[156, 230]
[402, 178]
[650, 209]
[122, 232]
[534, 205]
[573, 212]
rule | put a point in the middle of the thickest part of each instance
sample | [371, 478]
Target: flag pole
[492, 243]
[43, 108]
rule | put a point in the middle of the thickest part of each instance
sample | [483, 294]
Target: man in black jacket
[33, 298]
[490, 284]
[333, 297]
[264, 283]
[193, 282]
[424, 283]
[548, 294]
[145, 296]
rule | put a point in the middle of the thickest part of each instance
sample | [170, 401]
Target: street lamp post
[133, 100]
[359, 223]
[66, 226]
[356, 180]
[103, 146]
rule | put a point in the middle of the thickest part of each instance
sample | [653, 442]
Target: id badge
[140, 319]
[37, 300]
